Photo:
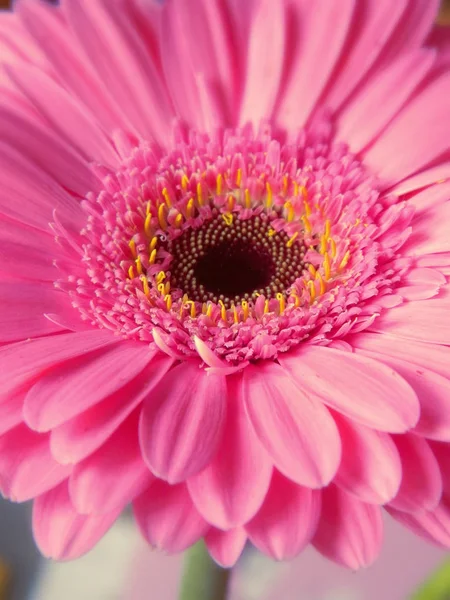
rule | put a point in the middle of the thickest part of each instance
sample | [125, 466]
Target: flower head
[224, 275]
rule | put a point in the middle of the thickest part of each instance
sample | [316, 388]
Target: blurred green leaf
[437, 587]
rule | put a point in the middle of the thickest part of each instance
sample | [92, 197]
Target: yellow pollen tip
[184, 182]
[296, 298]
[312, 290]
[282, 300]
[290, 211]
[139, 265]
[345, 260]
[327, 228]
[312, 270]
[321, 283]
[285, 184]
[193, 311]
[271, 232]
[166, 197]
[323, 244]
[269, 198]
[160, 277]
[131, 272]
[304, 192]
[178, 221]
[161, 289]
[230, 202]
[147, 224]
[247, 199]
[291, 240]
[168, 301]
[326, 266]
[223, 311]
[199, 194]
[167, 287]
[190, 208]
[295, 189]
[152, 257]
[132, 246]
[266, 307]
[228, 218]
[219, 185]
[245, 309]
[235, 314]
[147, 208]
[209, 310]
[239, 177]
[145, 285]
[162, 216]
[306, 223]
[152, 245]
[332, 247]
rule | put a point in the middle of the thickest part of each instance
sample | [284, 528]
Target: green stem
[202, 579]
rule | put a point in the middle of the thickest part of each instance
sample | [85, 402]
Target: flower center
[231, 260]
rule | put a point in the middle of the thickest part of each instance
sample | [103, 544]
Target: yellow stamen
[204, 308]
[160, 277]
[266, 307]
[193, 309]
[152, 245]
[312, 290]
[145, 285]
[152, 257]
[199, 194]
[223, 311]
[167, 287]
[239, 177]
[306, 223]
[323, 244]
[295, 189]
[139, 265]
[304, 192]
[162, 216]
[291, 240]
[327, 228]
[248, 202]
[131, 272]
[168, 301]
[332, 247]
[235, 314]
[321, 283]
[161, 289]
[190, 208]
[326, 266]
[148, 207]
[219, 185]
[228, 218]
[296, 298]
[178, 221]
[245, 309]
[290, 211]
[230, 202]
[269, 198]
[282, 300]
[285, 184]
[132, 245]
[147, 224]
[166, 196]
[271, 232]
[184, 182]
[209, 310]
[345, 260]
[312, 270]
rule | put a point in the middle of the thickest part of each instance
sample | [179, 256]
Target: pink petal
[312, 60]
[27, 468]
[423, 321]
[60, 532]
[350, 532]
[11, 409]
[381, 98]
[226, 546]
[73, 387]
[167, 518]
[233, 486]
[24, 361]
[423, 179]
[430, 198]
[287, 520]
[78, 438]
[395, 155]
[265, 57]
[433, 220]
[370, 468]
[421, 486]
[356, 386]
[113, 476]
[434, 525]
[291, 425]
[422, 283]
[182, 422]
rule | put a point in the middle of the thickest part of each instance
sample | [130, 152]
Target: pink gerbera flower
[224, 270]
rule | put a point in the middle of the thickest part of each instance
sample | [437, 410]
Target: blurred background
[123, 567]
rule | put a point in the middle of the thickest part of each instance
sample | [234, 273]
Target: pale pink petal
[311, 60]
[370, 468]
[78, 438]
[381, 98]
[11, 411]
[60, 532]
[423, 321]
[167, 518]
[113, 476]
[422, 283]
[396, 154]
[423, 179]
[73, 387]
[27, 468]
[287, 520]
[434, 525]
[433, 220]
[265, 57]
[233, 486]
[350, 532]
[182, 422]
[24, 361]
[421, 486]
[431, 197]
[356, 386]
[291, 425]
[226, 546]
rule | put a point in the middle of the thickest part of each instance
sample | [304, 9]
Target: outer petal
[182, 422]
[434, 525]
[442, 453]
[111, 477]
[27, 469]
[421, 486]
[226, 546]
[167, 518]
[370, 468]
[75, 386]
[232, 487]
[60, 532]
[291, 425]
[358, 387]
[287, 520]
[350, 532]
